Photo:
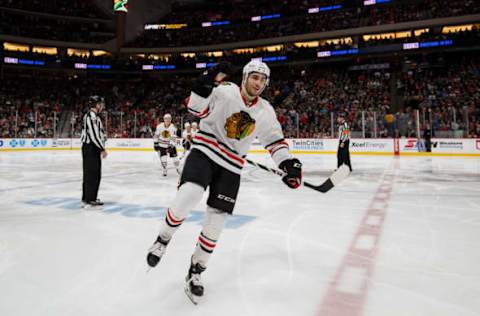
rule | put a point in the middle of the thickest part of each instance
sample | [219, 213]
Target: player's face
[167, 121]
[255, 83]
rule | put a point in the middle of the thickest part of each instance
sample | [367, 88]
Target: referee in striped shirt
[343, 153]
[93, 151]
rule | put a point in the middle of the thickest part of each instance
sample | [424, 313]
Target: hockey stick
[337, 176]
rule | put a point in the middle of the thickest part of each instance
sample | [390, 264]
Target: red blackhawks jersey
[228, 127]
[165, 136]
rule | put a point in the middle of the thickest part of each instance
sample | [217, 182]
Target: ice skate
[194, 285]
[156, 252]
[92, 205]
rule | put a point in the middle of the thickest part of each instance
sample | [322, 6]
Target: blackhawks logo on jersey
[239, 125]
[166, 134]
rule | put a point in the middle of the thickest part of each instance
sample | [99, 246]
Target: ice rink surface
[399, 237]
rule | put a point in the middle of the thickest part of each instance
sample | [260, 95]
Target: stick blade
[338, 176]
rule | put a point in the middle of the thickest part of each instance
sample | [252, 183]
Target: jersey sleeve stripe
[199, 114]
[273, 151]
[216, 145]
[216, 140]
[220, 155]
[276, 146]
[273, 143]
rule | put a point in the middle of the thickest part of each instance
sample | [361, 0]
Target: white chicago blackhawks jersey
[165, 136]
[228, 127]
[188, 136]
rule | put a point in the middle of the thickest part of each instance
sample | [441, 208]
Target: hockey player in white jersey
[194, 128]
[187, 138]
[231, 118]
[164, 142]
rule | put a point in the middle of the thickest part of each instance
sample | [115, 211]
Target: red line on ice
[337, 301]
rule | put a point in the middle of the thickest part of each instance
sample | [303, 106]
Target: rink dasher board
[466, 147]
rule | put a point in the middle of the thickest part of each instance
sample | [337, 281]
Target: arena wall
[358, 146]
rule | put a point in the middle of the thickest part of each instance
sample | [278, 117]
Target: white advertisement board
[25, 143]
[409, 145]
[379, 146]
[454, 145]
[406, 146]
[130, 143]
[441, 146]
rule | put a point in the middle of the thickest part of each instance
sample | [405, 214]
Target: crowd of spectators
[291, 52]
[37, 26]
[71, 20]
[74, 8]
[304, 105]
[325, 21]
[444, 93]
[295, 20]
[459, 38]
[404, 11]
[446, 97]
[243, 10]
[134, 108]
[30, 108]
[316, 97]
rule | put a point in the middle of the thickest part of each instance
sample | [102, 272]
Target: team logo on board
[411, 143]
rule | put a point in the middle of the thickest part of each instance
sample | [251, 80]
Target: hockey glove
[293, 170]
[207, 80]
[156, 146]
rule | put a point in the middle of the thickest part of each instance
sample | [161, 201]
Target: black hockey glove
[206, 82]
[156, 146]
[293, 168]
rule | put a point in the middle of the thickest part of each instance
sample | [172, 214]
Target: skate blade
[193, 298]
[92, 208]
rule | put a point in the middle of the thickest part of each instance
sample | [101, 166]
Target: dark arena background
[398, 237]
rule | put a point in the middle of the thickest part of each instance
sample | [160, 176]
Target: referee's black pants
[428, 144]
[343, 155]
[92, 172]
